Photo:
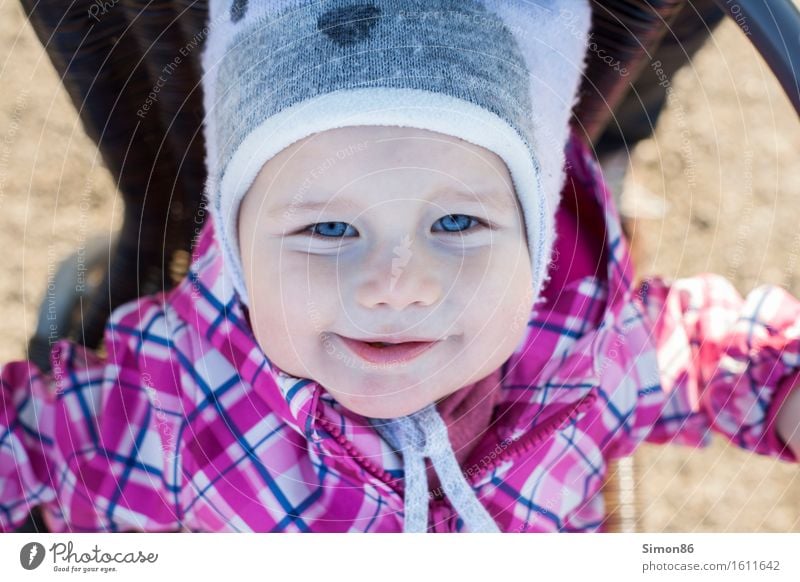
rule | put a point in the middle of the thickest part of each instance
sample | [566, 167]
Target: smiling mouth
[387, 353]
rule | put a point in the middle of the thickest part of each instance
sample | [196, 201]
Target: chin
[375, 406]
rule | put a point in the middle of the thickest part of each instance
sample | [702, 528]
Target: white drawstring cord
[424, 434]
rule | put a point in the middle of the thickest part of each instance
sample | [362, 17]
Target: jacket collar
[591, 261]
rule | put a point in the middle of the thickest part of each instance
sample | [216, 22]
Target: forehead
[384, 147]
[386, 162]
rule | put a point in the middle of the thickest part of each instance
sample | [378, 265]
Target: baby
[412, 310]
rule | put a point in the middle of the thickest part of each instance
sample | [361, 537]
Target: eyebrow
[496, 200]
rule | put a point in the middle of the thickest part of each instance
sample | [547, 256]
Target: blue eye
[457, 222]
[329, 229]
[452, 223]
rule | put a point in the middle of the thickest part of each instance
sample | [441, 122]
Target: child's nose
[399, 276]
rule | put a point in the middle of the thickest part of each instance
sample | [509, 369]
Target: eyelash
[477, 221]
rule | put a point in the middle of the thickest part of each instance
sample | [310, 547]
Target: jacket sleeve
[91, 442]
[726, 363]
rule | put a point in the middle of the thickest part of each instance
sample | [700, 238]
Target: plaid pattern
[187, 426]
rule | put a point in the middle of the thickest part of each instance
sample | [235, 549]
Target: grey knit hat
[501, 74]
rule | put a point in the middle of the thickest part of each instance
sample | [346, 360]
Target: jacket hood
[562, 324]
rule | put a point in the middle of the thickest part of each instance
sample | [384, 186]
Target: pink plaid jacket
[186, 425]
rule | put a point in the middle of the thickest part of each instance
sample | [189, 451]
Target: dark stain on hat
[348, 25]
[238, 10]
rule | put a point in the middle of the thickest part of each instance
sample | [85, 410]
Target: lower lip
[391, 354]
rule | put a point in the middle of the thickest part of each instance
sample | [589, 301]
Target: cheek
[498, 282]
[292, 304]
[284, 329]
[501, 299]
[278, 311]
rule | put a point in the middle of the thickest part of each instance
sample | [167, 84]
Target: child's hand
[787, 422]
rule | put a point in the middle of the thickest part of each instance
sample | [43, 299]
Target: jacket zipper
[365, 463]
[440, 505]
[535, 437]
[524, 444]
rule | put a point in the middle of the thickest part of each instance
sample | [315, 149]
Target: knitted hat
[501, 74]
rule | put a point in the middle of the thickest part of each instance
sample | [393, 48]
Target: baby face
[400, 234]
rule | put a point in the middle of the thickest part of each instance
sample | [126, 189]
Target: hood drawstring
[424, 434]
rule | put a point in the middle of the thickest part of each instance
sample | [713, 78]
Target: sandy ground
[724, 156]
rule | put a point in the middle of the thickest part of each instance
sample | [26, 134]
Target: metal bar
[773, 26]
